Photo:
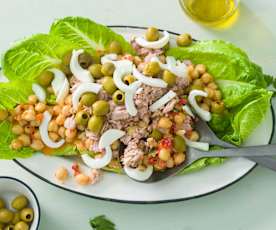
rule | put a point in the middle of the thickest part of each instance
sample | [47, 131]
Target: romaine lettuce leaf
[28, 58]
[86, 34]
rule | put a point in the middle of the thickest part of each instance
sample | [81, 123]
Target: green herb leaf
[86, 34]
[101, 223]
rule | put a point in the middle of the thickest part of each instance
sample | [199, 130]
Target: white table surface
[248, 204]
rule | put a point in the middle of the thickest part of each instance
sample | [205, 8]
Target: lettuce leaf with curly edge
[83, 33]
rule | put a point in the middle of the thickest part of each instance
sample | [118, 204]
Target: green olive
[118, 97]
[9, 227]
[88, 99]
[128, 79]
[16, 218]
[179, 144]
[152, 69]
[100, 108]
[27, 214]
[152, 34]
[65, 69]
[85, 60]
[95, 70]
[109, 85]
[108, 69]
[184, 40]
[6, 216]
[115, 47]
[21, 226]
[217, 107]
[96, 58]
[95, 124]
[156, 134]
[19, 202]
[169, 77]
[82, 118]
[45, 78]
[2, 203]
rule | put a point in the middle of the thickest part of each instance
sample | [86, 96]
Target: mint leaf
[101, 223]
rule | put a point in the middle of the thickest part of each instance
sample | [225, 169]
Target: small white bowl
[11, 187]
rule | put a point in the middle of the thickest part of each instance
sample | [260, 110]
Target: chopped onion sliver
[129, 95]
[138, 175]
[111, 58]
[188, 110]
[43, 131]
[39, 92]
[83, 88]
[203, 114]
[154, 82]
[197, 145]
[98, 162]
[63, 92]
[109, 136]
[155, 44]
[58, 81]
[162, 101]
[81, 74]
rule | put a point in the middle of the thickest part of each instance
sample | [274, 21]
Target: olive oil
[210, 11]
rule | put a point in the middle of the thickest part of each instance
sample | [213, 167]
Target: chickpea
[198, 83]
[34, 123]
[3, 114]
[179, 158]
[160, 165]
[207, 101]
[17, 129]
[217, 95]
[212, 85]
[37, 135]
[61, 174]
[217, 107]
[16, 144]
[70, 133]
[40, 107]
[28, 129]
[164, 123]
[53, 126]
[115, 145]
[61, 132]
[190, 69]
[22, 122]
[68, 100]
[54, 136]
[28, 115]
[37, 145]
[201, 68]
[164, 154]
[137, 60]
[170, 163]
[179, 118]
[56, 110]
[32, 99]
[210, 92]
[207, 78]
[25, 139]
[60, 119]
[66, 110]
[194, 136]
[69, 140]
[80, 145]
[205, 107]
[82, 179]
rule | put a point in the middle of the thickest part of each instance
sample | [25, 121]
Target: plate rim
[154, 201]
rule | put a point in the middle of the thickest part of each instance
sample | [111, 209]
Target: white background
[247, 205]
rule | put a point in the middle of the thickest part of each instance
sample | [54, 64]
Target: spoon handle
[252, 151]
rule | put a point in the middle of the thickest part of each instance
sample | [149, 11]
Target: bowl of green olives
[19, 206]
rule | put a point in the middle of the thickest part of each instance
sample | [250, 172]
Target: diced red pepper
[166, 143]
[182, 101]
[152, 160]
[76, 169]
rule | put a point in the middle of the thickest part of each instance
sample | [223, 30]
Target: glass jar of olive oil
[210, 11]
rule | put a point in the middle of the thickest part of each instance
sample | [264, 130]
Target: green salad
[124, 106]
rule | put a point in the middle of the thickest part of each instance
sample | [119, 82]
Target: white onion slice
[197, 145]
[138, 175]
[83, 88]
[162, 101]
[188, 110]
[43, 131]
[39, 92]
[81, 74]
[129, 95]
[98, 163]
[176, 67]
[155, 44]
[64, 91]
[109, 136]
[111, 58]
[58, 81]
[203, 114]
[154, 82]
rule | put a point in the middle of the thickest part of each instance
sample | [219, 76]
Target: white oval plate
[120, 188]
